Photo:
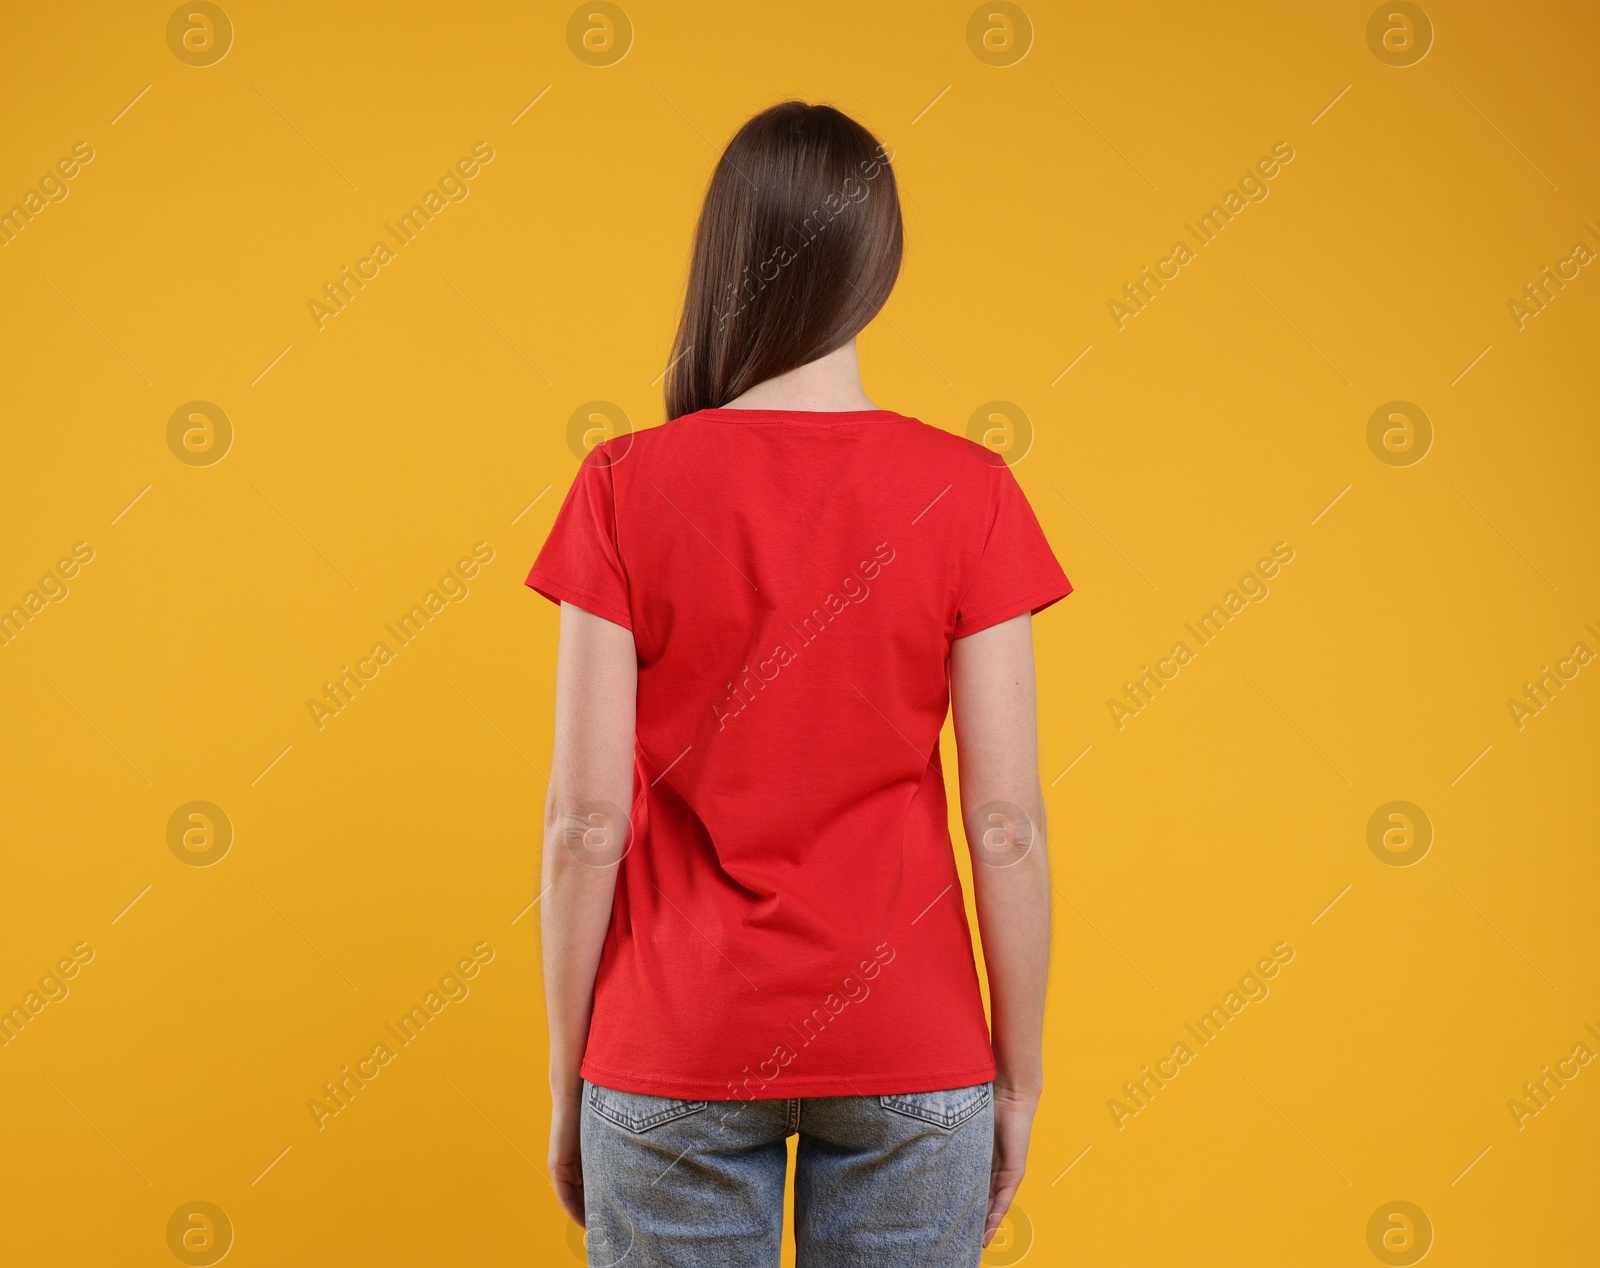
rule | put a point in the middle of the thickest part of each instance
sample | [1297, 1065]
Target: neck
[829, 384]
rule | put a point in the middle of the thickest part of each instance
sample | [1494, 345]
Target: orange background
[1230, 814]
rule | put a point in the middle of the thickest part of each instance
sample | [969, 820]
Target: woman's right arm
[1002, 806]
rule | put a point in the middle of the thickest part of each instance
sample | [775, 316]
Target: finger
[570, 1198]
[999, 1204]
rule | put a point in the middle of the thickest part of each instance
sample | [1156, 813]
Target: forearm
[992, 691]
[575, 913]
[1013, 901]
[586, 827]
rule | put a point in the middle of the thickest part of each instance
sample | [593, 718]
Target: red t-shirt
[788, 919]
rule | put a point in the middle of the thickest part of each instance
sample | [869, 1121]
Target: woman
[752, 920]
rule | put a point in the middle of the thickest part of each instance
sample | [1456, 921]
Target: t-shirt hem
[1035, 601]
[558, 590]
[791, 1085]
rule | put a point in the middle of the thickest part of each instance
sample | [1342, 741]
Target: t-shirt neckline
[813, 417]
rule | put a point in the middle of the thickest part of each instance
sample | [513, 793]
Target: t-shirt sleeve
[1017, 571]
[580, 562]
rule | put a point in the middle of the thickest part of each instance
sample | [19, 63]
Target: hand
[566, 1157]
[1013, 1126]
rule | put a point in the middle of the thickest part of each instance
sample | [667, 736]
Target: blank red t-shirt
[788, 919]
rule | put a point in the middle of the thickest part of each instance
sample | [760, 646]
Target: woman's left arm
[586, 830]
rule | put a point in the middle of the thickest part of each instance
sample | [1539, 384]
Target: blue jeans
[880, 1181]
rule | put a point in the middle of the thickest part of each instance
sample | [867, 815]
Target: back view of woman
[752, 920]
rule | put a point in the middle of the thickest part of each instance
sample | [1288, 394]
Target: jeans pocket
[637, 1112]
[947, 1109]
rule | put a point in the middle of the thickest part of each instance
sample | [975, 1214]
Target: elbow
[1002, 834]
[596, 833]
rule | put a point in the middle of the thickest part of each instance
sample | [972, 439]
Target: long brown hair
[797, 248]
